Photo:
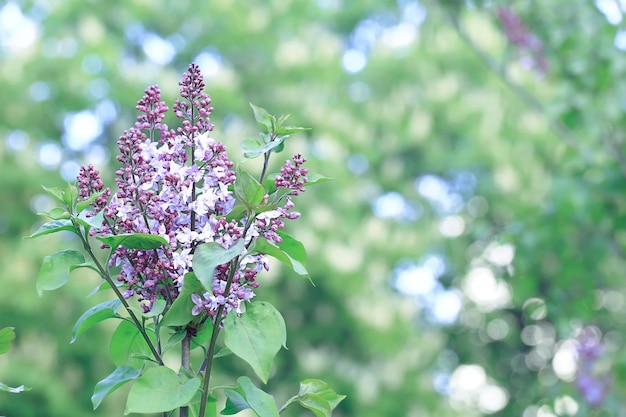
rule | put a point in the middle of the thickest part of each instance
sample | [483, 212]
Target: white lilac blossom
[177, 184]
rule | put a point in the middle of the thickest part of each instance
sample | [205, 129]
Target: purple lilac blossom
[525, 41]
[592, 387]
[89, 183]
[175, 184]
[292, 178]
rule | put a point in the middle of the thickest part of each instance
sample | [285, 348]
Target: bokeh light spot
[354, 61]
[50, 155]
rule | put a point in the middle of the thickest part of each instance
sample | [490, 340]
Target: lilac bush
[187, 234]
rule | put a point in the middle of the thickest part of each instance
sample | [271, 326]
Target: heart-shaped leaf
[7, 334]
[209, 255]
[134, 241]
[55, 269]
[116, 379]
[128, 346]
[160, 390]
[179, 313]
[248, 190]
[53, 227]
[246, 395]
[264, 246]
[319, 397]
[95, 315]
[256, 336]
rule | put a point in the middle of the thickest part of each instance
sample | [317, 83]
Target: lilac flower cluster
[90, 183]
[591, 386]
[177, 184]
[525, 41]
[292, 178]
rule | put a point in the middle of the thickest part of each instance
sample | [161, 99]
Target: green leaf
[246, 395]
[82, 205]
[288, 130]
[209, 411]
[278, 195]
[55, 269]
[95, 315]
[266, 137]
[102, 286]
[256, 336]
[280, 144]
[70, 195]
[282, 119]
[116, 379]
[87, 264]
[203, 335]
[56, 193]
[134, 241]
[179, 313]
[292, 247]
[128, 346]
[251, 147]
[17, 390]
[315, 178]
[265, 120]
[53, 227]
[159, 390]
[312, 391]
[211, 408]
[56, 213]
[89, 222]
[7, 334]
[223, 352]
[236, 213]
[264, 246]
[248, 190]
[235, 402]
[157, 308]
[174, 339]
[209, 255]
[318, 405]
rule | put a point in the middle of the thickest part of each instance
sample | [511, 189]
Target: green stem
[186, 364]
[266, 159]
[234, 264]
[288, 403]
[105, 275]
[208, 360]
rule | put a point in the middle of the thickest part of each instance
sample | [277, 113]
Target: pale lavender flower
[527, 44]
[177, 184]
[593, 387]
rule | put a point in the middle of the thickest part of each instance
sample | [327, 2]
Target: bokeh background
[469, 255]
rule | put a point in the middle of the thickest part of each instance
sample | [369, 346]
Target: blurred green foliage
[440, 141]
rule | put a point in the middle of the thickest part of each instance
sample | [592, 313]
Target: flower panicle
[90, 183]
[178, 184]
[591, 385]
[195, 108]
[293, 175]
[526, 42]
